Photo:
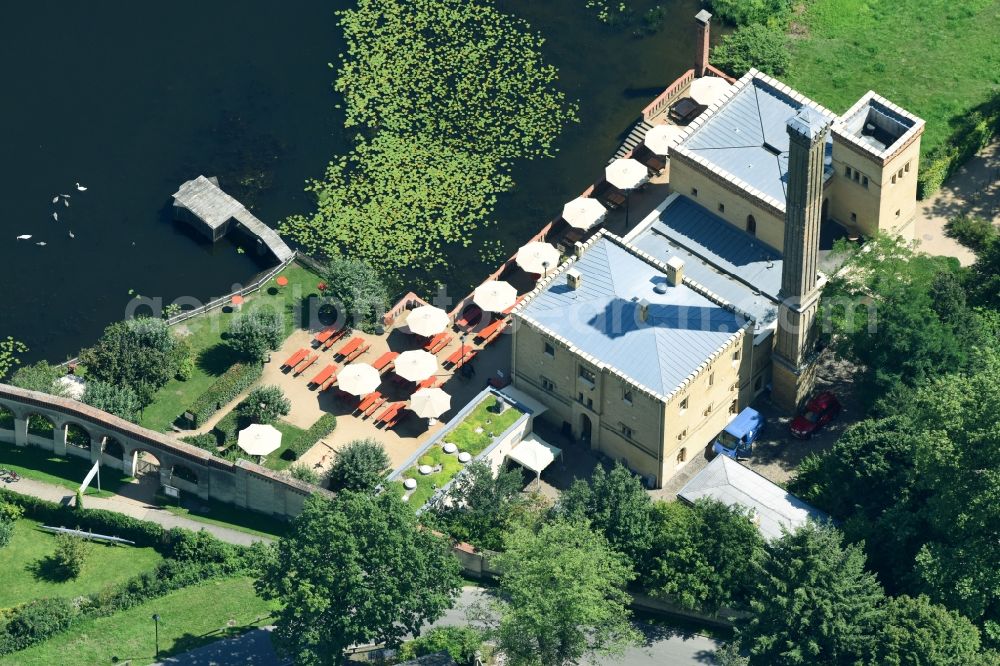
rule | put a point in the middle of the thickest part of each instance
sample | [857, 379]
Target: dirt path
[974, 189]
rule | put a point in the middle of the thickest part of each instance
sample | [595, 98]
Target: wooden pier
[203, 204]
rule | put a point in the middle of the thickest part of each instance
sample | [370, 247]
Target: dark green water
[131, 99]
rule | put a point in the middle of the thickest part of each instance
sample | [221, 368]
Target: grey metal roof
[601, 318]
[729, 482]
[746, 136]
[728, 261]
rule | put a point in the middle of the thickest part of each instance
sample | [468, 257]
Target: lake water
[131, 99]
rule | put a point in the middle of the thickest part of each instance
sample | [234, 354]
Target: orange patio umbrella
[281, 281]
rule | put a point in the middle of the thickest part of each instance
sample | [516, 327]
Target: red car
[819, 411]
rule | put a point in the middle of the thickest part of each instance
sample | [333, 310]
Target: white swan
[55, 216]
[81, 187]
[41, 243]
[24, 237]
[71, 235]
[55, 199]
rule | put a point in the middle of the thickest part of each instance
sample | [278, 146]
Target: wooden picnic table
[516, 303]
[337, 335]
[439, 341]
[397, 419]
[356, 353]
[382, 362]
[325, 334]
[465, 359]
[294, 359]
[305, 364]
[350, 347]
[456, 356]
[491, 329]
[430, 382]
[390, 412]
[373, 407]
[367, 401]
[324, 374]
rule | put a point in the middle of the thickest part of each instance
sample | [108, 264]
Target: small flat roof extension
[877, 126]
[743, 137]
[733, 484]
[602, 319]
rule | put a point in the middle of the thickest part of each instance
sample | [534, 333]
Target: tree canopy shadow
[217, 359]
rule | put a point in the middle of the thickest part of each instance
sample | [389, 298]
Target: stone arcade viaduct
[85, 432]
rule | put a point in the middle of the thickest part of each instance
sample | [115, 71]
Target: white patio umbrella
[430, 403]
[537, 257]
[427, 320]
[415, 365]
[626, 173]
[259, 439]
[358, 379]
[494, 296]
[708, 89]
[662, 138]
[583, 212]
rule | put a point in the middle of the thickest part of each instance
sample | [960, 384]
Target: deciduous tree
[617, 506]
[360, 466]
[257, 333]
[757, 45]
[562, 596]
[264, 404]
[114, 399]
[355, 569]
[358, 290]
[916, 632]
[40, 376]
[139, 353]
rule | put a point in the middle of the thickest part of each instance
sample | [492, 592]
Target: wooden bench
[491, 330]
[334, 338]
[324, 335]
[356, 353]
[351, 346]
[456, 356]
[367, 401]
[295, 358]
[390, 412]
[466, 359]
[383, 362]
[323, 375]
[302, 367]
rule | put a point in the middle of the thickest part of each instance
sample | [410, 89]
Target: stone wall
[243, 484]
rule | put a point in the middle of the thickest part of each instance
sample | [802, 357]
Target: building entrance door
[585, 429]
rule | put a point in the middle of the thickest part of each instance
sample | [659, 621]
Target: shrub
[972, 231]
[745, 12]
[205, 440]
[361, 465]
[264, 404]
[302, 473]
[973, 132]
[138, 353]
[6, 532]
[71, 554]
[296, 446]
[34, 622]
[762, 46]
[78, 505]
[462, 643]
[41, 377]
[256, 333]
[185, 369]
[230, 384]
[10, 512]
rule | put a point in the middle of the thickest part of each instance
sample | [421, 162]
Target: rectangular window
[547, 384]
[897, 213]
[682, 434]
[906, 168]
[758, 384]
[708, 410]
[626, 431]
[627, 397]
[579, 397]
[864, 181]
[694, 191]
[847, 171]
[732, 407]
[684, 404]
[550, 351]
[893, 179]
[900, 173]
[722, 208]
[854, 217]
[736, 355]
[857, 176]
[590, 403]
[711, 379]
[588, 375]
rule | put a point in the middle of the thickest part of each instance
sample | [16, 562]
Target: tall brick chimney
[702, 19]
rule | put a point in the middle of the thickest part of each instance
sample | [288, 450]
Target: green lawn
[189, 618]
[27, 573]
[32, 462]
[225, 515]
[466, 438]
[936, 58]
[213, 355]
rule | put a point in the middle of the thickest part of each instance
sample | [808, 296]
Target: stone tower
[701, 20]
[793, 372]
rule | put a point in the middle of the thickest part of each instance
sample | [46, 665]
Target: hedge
[299, 445]
[238, 378]
[973, 132]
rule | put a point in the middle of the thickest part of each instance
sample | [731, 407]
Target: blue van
[736, 441]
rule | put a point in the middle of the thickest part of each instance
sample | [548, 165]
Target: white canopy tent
[534, 454]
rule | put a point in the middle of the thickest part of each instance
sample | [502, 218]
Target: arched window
[77, 436]
[6, 418]
[682, 455]
[751, 225]
[185, 473]
[40, 425]
[113, 448]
